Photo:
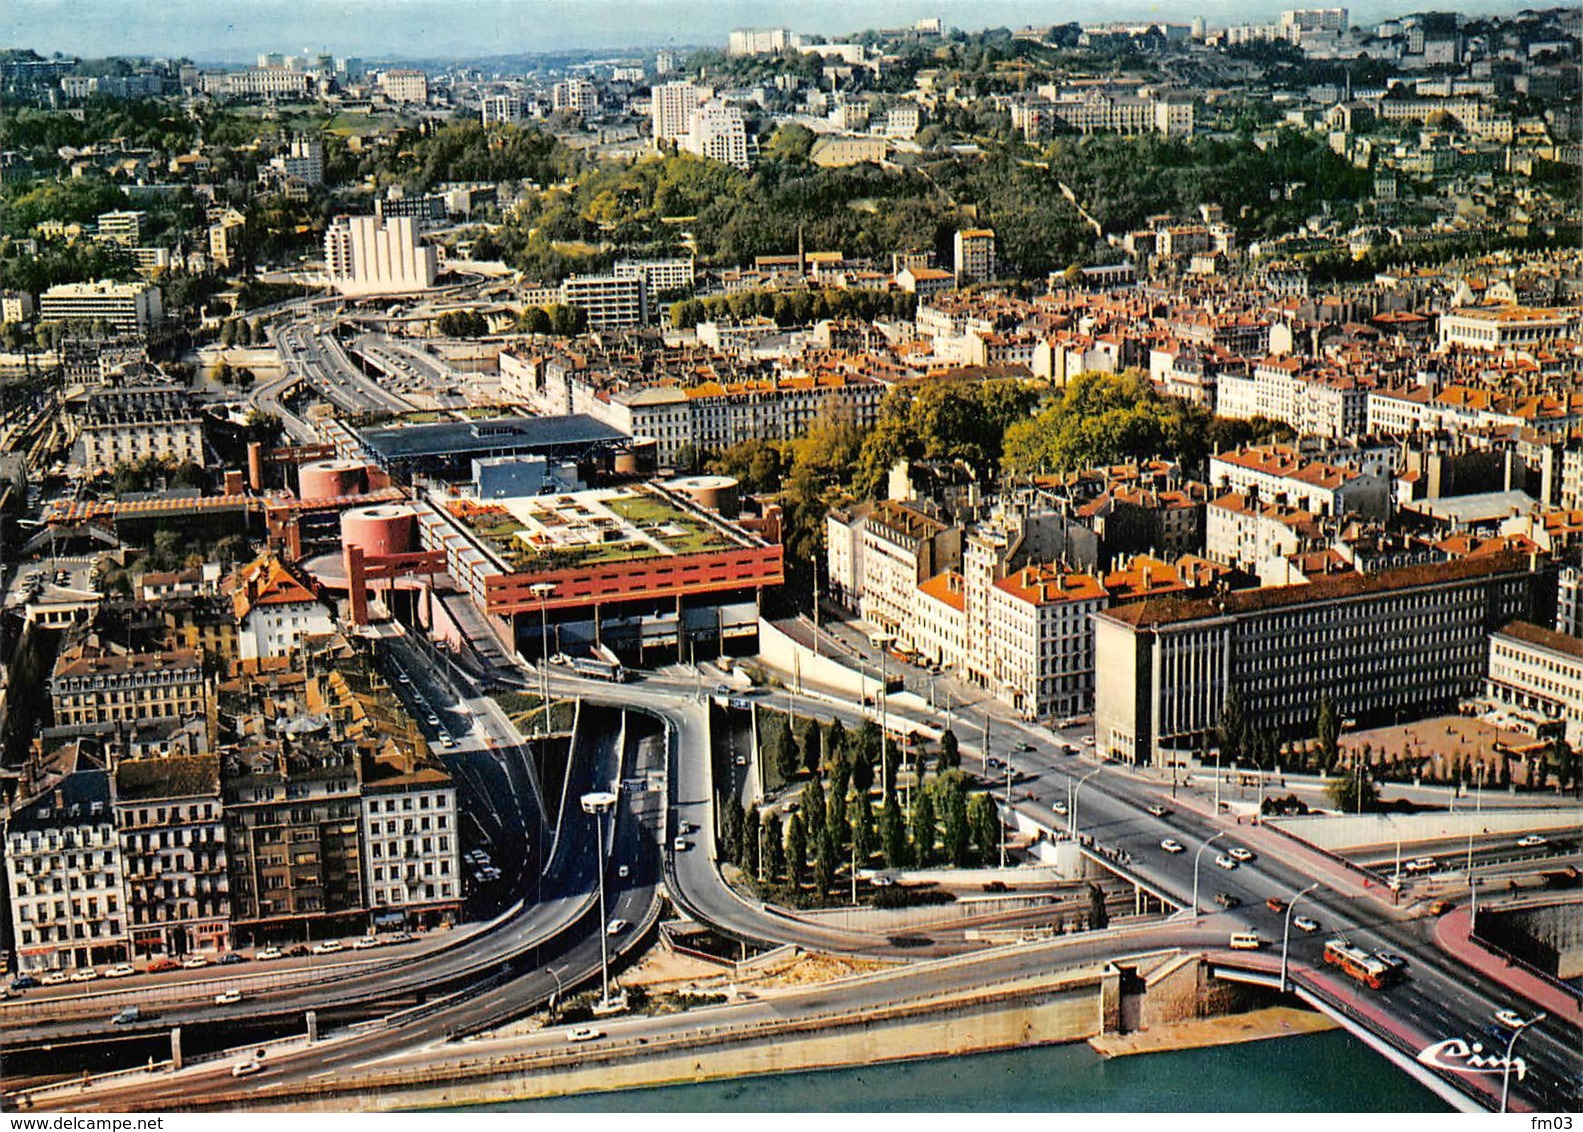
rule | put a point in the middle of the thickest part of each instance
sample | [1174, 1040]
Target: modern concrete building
[759, 41]
[132, 308]
[1538, 673]
[124, 227]
[1397, 644]
[406, 86]
[672, 109]
[718, 132]
[575, 96]
[371, 255]
[609, 301]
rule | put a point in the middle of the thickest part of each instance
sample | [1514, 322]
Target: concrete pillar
[175, 1047]
[255, 465]
[313, 1026]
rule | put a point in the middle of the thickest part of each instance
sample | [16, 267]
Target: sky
[237, 30]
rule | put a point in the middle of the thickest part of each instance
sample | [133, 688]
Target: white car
[583, 1034]
[246, 1068]
[228, 998]
[1059, 808]
[624, 872]
[194, 962]
[615, 927]
[1225, 862]
[1304, 924]
[328, 947]
[1158, 811]
[680, 845]
[1533, 840]
[270, 953]
[1171, 845]
[54, 978]
[120, 971]
[1238, 853]
[366, 942]
[86, 975]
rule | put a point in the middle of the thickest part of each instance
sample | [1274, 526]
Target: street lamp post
[1286, 930]
[597, 805]
[555, 1003]
[1511, 1044]
[542, 591]
[1072, 821]
[1197, 857]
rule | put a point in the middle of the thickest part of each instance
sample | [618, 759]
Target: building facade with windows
[132, 308]
[67, 892]
[90, 689]
[412, 864]
[1397, 644]
[1538, 672]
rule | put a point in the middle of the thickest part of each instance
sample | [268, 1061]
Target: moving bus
[1359, 964]
[1246, 941]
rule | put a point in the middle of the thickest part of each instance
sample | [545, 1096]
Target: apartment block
[1537, 673]
[1409, 641]
[90, 688]
[371, 255]
[129, 307]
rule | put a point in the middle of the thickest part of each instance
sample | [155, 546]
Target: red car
[166, 964]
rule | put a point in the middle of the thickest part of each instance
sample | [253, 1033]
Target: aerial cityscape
[708, 558]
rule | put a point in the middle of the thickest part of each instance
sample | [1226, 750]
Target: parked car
[364, 943]
[24, 982]
[269, 953]
[55, 978]
[231, 959]
[120, 971]
[1171, 845]
[327, 947]
[228, 998]
[299, 951]
[194, 962]
[86, 975]
[583, 1034]
[165, 963]
[1238, 853]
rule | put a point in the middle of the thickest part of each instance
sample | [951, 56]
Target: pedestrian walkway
[1453, 935]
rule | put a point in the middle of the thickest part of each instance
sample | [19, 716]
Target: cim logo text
[1458, 1056]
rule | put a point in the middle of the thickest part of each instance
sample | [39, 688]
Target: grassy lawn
[647, 513]
[525, 711]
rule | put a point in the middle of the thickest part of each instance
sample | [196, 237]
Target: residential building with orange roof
[940, 619]
[1040, 645]
[275, 610]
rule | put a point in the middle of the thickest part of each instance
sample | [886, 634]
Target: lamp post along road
[1286, 931]
[1073, 817]
[1511, 1044]
[542, 591]
[597, 805]
[883, 641]
[1197, 857]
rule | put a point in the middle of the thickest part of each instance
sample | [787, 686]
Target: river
[1328, 1072]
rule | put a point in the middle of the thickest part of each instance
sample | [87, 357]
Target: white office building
[718, 132]
[129, 307]
[375, 255]
[672, 106]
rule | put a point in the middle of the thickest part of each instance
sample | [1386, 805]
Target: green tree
[950, 757]
[826, 858]
[774, 848]
[834, 743]
[782, 745]
[1328, 730]
[813, 808]
[1231, 727]
[923, 829]
[790, 143]
[893, 834]
[862, 811]
[1354, 793]
[985, 824]
[809, 742]
[796, 850]
[951, 791]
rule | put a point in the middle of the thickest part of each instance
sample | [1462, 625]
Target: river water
[1328, 1072]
